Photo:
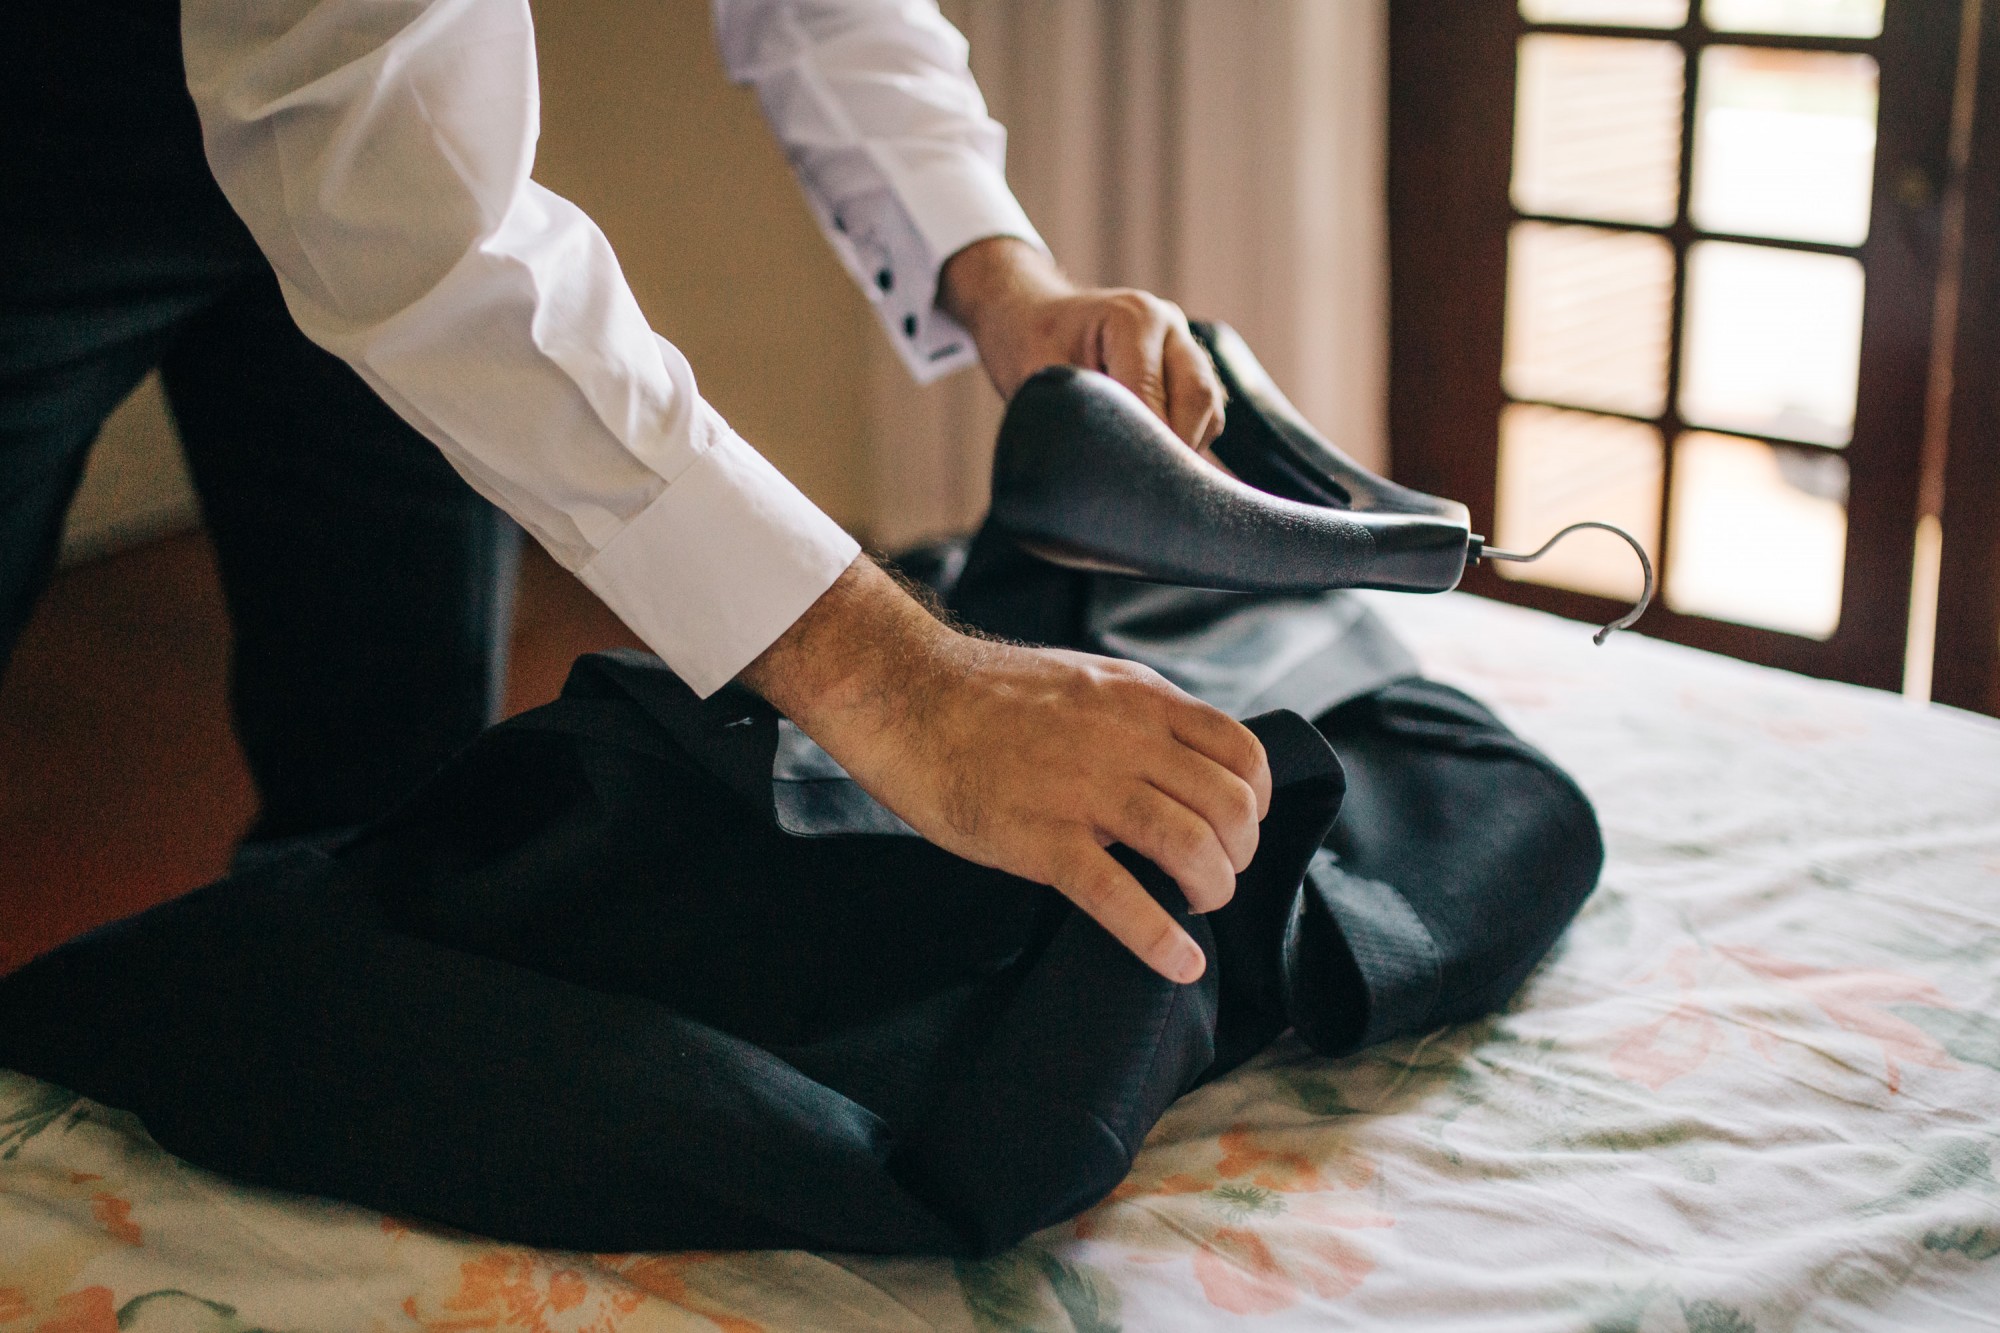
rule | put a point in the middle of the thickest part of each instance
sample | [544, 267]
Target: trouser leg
[48, 417]
[111, 231]
[370, 587]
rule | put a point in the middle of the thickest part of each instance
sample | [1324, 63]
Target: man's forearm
[863, 641]
[1028, 760]
[980, 282]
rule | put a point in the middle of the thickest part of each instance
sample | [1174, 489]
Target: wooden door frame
[1967, 661]
[1451, 111]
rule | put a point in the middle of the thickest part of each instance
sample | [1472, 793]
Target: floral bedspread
[1758, 1088]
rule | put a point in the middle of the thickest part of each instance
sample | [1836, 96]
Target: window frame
[1451, 133]
[1967, 662]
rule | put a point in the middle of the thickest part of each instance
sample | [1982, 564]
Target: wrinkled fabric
[696, 990]
[382, 155]
[589, 952]
[378, 158]
[1748, 1089]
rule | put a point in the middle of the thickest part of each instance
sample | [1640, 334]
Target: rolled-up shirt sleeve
[380, 153]
[878, 113]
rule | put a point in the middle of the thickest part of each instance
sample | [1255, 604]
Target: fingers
[1226, 803]
[1194, 393]
[1178, 841]
[1214, 733]
[1106, 892]
[1144, 343]
[1099, 750]
[1131, 346]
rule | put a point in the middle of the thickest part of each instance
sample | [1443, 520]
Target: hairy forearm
[1024, 759]
[841, 655]
[831, 653]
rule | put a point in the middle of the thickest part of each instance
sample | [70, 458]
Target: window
[1676, 264]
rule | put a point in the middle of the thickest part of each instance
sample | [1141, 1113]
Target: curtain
[1227, 154]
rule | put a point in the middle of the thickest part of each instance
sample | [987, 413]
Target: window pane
[1759, 534]
[1558, 468]
[1819, 18]
[1615, 13]
[1773, 341]
[1587, 317]
[1784, 144]
[1597, 128]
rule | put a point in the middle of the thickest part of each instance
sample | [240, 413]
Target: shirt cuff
[896, 243]
[720, 563]
[956, 197]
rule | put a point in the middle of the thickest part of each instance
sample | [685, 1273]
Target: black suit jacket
[643, 971]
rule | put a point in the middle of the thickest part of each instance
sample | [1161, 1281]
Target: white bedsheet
[1757, 1088]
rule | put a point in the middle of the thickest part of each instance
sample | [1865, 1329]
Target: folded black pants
[641, 971]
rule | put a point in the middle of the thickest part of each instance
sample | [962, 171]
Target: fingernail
[1189, 962]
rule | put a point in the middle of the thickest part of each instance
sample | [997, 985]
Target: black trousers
[369, 587]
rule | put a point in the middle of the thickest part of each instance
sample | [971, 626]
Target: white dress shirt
[380, 152]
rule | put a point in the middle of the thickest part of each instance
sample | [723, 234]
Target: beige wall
[641, 128]
[135, 483]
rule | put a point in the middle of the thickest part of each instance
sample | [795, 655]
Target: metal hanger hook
[1645, 563]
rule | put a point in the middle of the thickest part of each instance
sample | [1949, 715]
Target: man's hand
[1024, 315]
[1028, 760]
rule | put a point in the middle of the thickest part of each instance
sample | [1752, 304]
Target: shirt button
[885, 280]
[839, 222]
[909, 326]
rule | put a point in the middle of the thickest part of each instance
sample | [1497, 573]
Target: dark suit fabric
[640, 971]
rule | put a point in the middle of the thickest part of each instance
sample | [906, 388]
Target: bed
[1756, 1088]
